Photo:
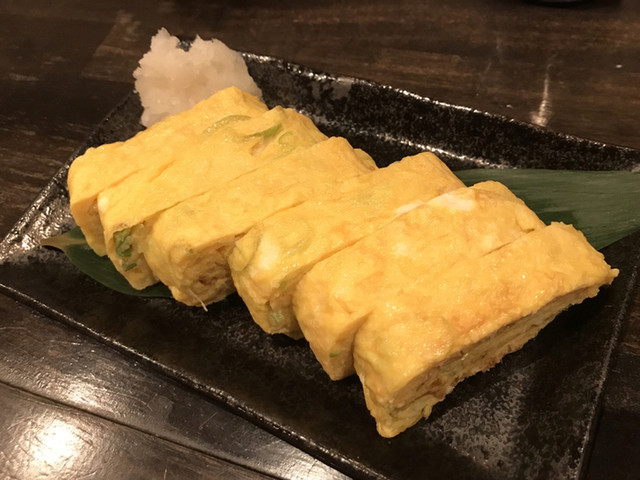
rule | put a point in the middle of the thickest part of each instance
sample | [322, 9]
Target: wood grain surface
[65, 65]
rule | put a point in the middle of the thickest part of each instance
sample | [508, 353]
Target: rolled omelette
[187, 245]
[336, 296]
[268, 261]
[102, 167]
[238, 146]
[422, 341]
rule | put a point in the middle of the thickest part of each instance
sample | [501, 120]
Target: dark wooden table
[64, 65]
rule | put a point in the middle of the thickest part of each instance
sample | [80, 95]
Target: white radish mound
[170, 80]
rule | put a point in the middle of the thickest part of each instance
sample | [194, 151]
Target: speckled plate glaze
[532, 416]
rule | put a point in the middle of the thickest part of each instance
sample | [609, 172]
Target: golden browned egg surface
[400, 274]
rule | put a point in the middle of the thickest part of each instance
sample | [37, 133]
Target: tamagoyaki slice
[234, 146]
[188, 245]
[268, 261]
[102, 167]
[415, 348]
[336, 296]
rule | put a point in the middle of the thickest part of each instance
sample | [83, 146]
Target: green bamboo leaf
[75, 247]
[604, 205]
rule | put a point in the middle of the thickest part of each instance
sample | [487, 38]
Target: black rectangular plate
[532, 416]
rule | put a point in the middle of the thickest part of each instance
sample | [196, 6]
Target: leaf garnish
[604, 205]
[75, 247]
